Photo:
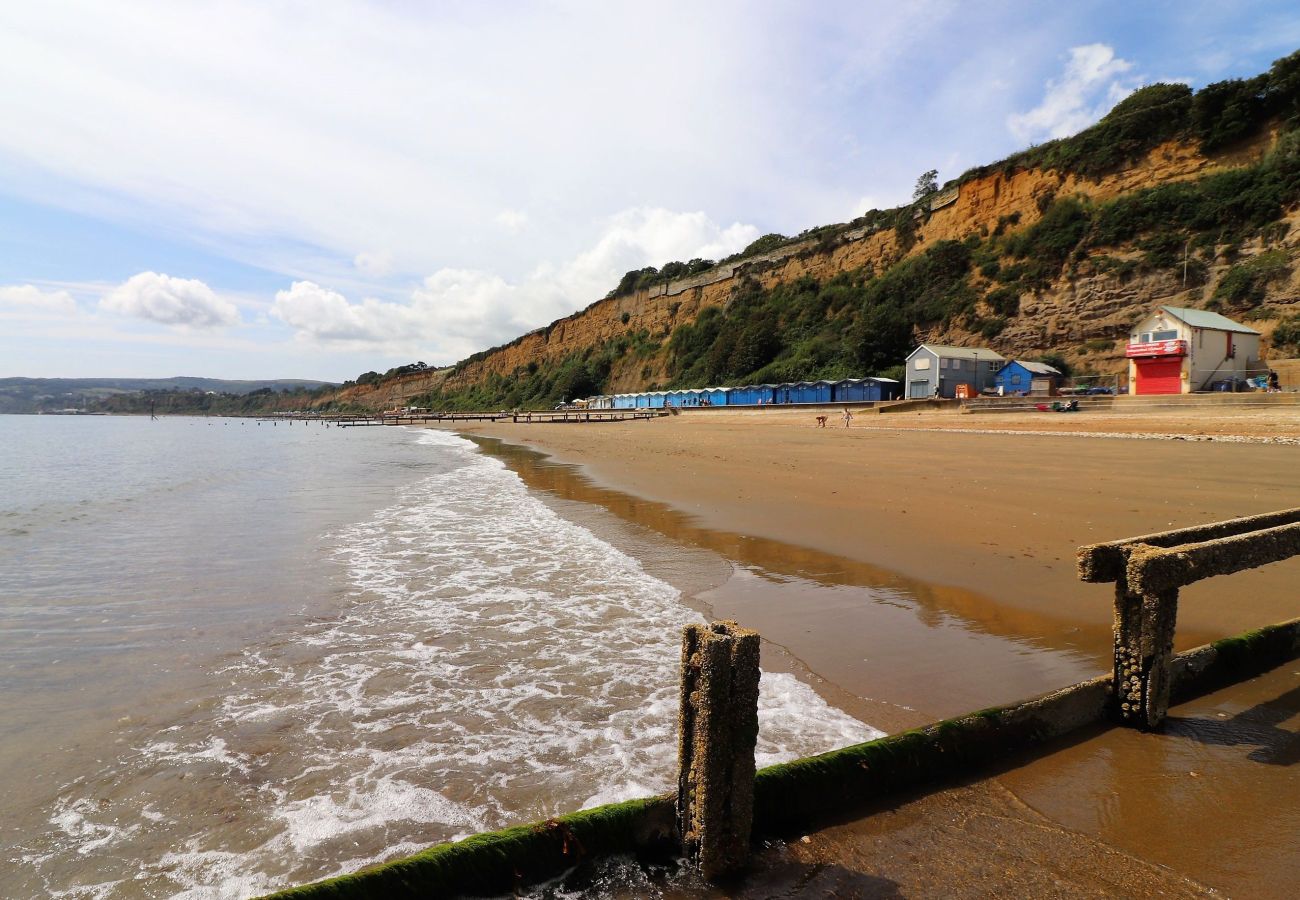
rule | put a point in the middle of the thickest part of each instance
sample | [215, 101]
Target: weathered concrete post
[1148, 572]
[1144, 649]
[717, 731]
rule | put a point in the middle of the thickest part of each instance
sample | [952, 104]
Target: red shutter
[1160, 376]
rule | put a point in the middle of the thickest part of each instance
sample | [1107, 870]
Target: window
[1164, 335]
[922, 363]
[1015, 378]
[1144, 337]
[943, 363]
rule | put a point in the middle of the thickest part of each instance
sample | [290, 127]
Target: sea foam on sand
[494, 663]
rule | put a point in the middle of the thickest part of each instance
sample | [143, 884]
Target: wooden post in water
[717, 732]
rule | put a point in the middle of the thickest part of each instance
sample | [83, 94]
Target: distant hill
[32, 395]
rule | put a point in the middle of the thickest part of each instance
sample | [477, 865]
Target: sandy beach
[971, 523]
[963, 502]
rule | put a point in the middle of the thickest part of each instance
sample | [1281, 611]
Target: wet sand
[919, 570]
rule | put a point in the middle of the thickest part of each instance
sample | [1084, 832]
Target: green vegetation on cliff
[864, 322]
[1216, 116]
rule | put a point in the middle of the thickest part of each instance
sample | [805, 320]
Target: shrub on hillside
[1228, 111]
[1286, 337]
[1244, 284]
[1053, 237]
[1005, 301]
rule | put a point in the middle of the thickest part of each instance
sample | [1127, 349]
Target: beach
[967, 527]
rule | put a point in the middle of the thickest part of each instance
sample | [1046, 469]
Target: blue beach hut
[809, 392]
[849, 390]
[886, 388]
[867, 390]
[750, 395]
[1021, 377]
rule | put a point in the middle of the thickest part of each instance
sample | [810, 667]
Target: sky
[319, 189]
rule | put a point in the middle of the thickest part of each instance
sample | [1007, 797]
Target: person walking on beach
[847, 417]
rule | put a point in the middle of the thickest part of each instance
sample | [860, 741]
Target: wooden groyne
[721, 804]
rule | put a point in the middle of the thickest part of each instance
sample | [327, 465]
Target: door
[1160, 376]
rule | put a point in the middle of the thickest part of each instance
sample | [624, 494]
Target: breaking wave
[494, 663]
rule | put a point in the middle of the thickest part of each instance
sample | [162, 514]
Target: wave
[495, 663]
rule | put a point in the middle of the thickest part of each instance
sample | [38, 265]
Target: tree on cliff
[927, 183]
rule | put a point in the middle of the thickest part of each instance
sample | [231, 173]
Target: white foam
[74, 819]
[497, 663]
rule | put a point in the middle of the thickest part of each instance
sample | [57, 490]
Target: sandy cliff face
[1083, 306]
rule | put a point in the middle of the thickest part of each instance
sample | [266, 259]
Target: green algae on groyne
[796, 793]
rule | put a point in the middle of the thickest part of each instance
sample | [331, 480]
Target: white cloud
[428, 130]
[375, 263]
[184, 302]
[327, 315]
[512, 221]
[31, 299]
[455, 312]
[1090, 85]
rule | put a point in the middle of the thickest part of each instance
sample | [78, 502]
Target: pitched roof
[959, 352]
[1203, 318]
[1036, 368]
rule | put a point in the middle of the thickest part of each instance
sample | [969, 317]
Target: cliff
[1125, 254]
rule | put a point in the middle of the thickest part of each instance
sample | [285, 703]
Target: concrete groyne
[716, 703]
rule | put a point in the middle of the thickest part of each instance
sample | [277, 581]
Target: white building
[1178, 351]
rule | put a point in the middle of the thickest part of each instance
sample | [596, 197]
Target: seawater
[235, 657]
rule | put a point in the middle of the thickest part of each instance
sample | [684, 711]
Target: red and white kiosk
[1156, 367]
[1178, 351]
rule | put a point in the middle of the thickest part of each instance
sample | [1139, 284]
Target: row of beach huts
[1174, 350]
[847, 390]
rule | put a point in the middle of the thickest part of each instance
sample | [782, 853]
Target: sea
[238, 655]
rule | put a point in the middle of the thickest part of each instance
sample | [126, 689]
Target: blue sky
[261, 189]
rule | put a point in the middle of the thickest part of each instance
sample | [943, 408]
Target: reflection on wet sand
[912, 651]
[1213, 798]
[1216, 795]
